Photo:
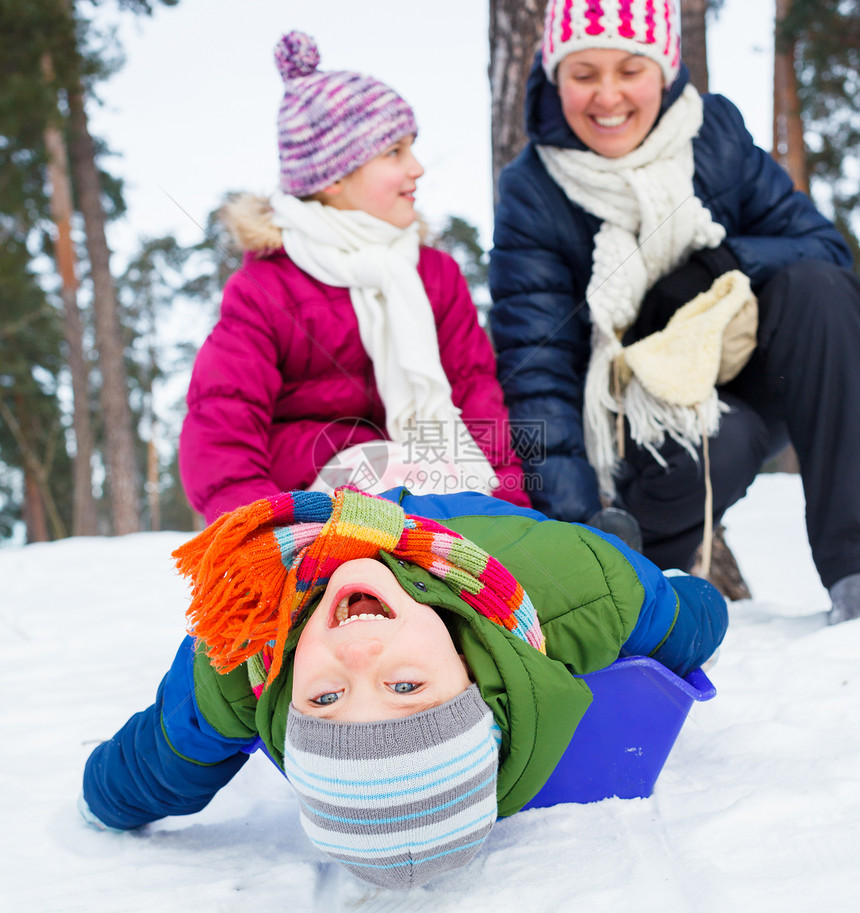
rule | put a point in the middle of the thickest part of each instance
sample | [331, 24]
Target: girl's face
[383, 187]
[610, 98]
[371, 652]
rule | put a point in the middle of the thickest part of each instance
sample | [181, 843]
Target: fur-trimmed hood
[248, 218]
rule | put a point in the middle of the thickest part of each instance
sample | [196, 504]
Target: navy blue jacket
[541, 264]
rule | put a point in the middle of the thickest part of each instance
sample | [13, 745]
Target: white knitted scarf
[378, 263]
[652, 222]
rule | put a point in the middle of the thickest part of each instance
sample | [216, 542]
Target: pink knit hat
[646, 27]
[331, 123]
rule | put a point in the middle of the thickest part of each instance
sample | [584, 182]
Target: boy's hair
[331, 123]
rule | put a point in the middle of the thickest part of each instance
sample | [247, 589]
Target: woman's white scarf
[652, 222]
[378, 263]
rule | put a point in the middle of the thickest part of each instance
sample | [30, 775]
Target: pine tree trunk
[40, 509]
[84, 522]
[152, 487]
[35, 521]
[694, 41]
[516, 27]
[119, 438]
[788, 146]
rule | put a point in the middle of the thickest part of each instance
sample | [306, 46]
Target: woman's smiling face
[371, 652]
[610, 98]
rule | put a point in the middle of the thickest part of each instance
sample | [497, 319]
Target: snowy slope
[757, 809]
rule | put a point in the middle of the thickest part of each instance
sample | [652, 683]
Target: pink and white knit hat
[331, 123]
[646, 27]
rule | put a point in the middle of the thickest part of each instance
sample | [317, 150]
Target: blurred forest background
[84, 346]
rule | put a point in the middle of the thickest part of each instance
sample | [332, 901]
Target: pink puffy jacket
[283, 383]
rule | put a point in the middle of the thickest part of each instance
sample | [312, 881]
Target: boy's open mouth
[360, 605]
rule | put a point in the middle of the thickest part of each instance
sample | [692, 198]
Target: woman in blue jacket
[634, 195]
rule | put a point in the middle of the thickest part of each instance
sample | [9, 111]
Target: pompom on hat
[331, 123]
[646, 27]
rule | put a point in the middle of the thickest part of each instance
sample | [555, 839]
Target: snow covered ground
[757, 808]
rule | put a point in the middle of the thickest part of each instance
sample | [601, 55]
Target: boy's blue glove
[701, 625]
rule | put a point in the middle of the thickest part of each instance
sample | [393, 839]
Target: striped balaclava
[331, 122]
[646, 27]
[398, 801]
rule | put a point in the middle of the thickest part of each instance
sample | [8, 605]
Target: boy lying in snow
[412, 680]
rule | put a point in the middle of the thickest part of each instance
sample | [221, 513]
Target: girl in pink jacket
[346, 352]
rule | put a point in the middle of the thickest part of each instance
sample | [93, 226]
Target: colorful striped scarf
[256, 570]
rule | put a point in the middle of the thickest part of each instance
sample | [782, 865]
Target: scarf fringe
[651, 419]
[234, 604]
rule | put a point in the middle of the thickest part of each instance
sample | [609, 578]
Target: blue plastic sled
[626, 735]
[624, 738]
